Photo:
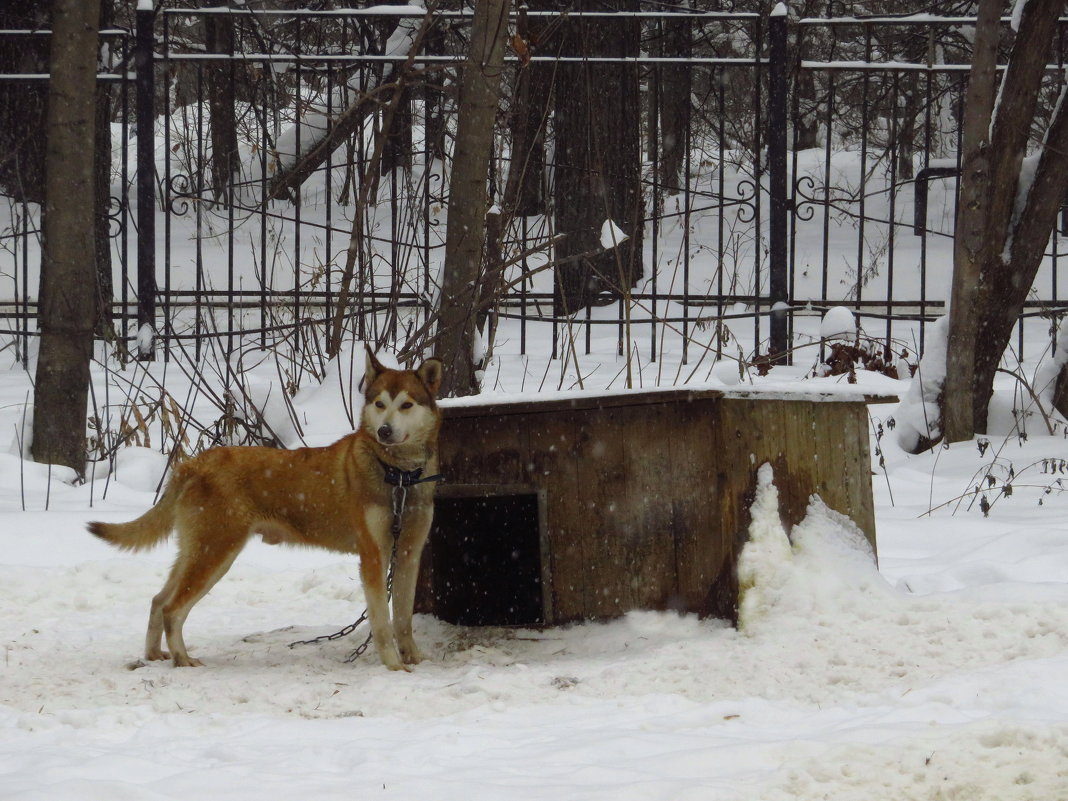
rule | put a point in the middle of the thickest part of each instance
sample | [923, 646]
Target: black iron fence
[817, 167]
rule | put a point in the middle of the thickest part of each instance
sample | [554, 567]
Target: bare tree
[671, 105]
[219, 38]
[532, 88]
[465, 233]
[598, 156]
[68, 275]
[1007, 208]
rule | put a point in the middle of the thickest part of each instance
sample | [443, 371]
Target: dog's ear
[373, 368]
[429, 373]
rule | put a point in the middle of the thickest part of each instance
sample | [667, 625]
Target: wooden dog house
[588, 506]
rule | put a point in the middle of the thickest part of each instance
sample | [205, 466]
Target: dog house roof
[537, 402]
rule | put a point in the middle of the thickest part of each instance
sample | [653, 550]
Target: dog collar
[396, 477]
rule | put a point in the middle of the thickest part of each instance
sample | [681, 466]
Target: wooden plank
[551, 464]
[637, 543]
[605, 504]
[578, 401]
[703, 556]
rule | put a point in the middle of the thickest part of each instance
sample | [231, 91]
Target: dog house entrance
[486, 552]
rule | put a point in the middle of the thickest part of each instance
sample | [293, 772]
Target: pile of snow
[823, 567]
[838, 323]
[612, 235]
[919, 416]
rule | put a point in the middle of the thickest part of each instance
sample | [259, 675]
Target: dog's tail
[152, 527]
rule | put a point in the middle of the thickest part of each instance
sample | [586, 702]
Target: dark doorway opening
[487, 560]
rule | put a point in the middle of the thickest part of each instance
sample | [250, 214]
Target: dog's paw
[157, 655]
[391, 658]
[187, 661]
[410, 654]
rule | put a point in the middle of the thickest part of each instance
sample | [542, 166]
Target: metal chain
[400, 498]
[337, 635]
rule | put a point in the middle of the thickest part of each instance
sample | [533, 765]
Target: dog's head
[400, 405]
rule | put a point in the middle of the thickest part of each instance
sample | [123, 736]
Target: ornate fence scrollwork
[805, 200]
[179, 194]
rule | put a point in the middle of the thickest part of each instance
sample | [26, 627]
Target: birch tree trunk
[67, 300]
[465, 233]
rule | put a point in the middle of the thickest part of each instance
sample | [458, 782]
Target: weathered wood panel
[813, 447]
[702, 555]
[645, 495]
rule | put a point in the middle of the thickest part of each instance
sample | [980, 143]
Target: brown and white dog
[336, 497]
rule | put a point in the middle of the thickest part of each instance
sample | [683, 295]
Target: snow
[838, 323]
[727, 373]
[937, 674]
[611, 235]
[766, 555]
[919, 415]
[146, 338]
[1017, 14]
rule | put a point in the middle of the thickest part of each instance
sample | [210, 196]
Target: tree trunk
[68, 276]
[399, 144]
[434, 100]
[1004, 219]
[598, 159]
[910, 109]
[219, 38]
[524, 191]
[674, 106]
[806, 119]
[465, 239]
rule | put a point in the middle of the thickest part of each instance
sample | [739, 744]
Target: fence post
[778, 221]
[146, 178]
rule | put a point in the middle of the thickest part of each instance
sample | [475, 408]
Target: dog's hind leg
[206, 552]
[154, 637]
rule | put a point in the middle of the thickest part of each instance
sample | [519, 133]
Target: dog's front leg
[375, 546]
[405, 577]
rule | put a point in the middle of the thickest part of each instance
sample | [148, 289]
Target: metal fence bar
[144, 66]
[778, 267]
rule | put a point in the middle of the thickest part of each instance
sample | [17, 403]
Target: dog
[340, 497]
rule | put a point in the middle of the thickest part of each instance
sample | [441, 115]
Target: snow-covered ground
[938, 675]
